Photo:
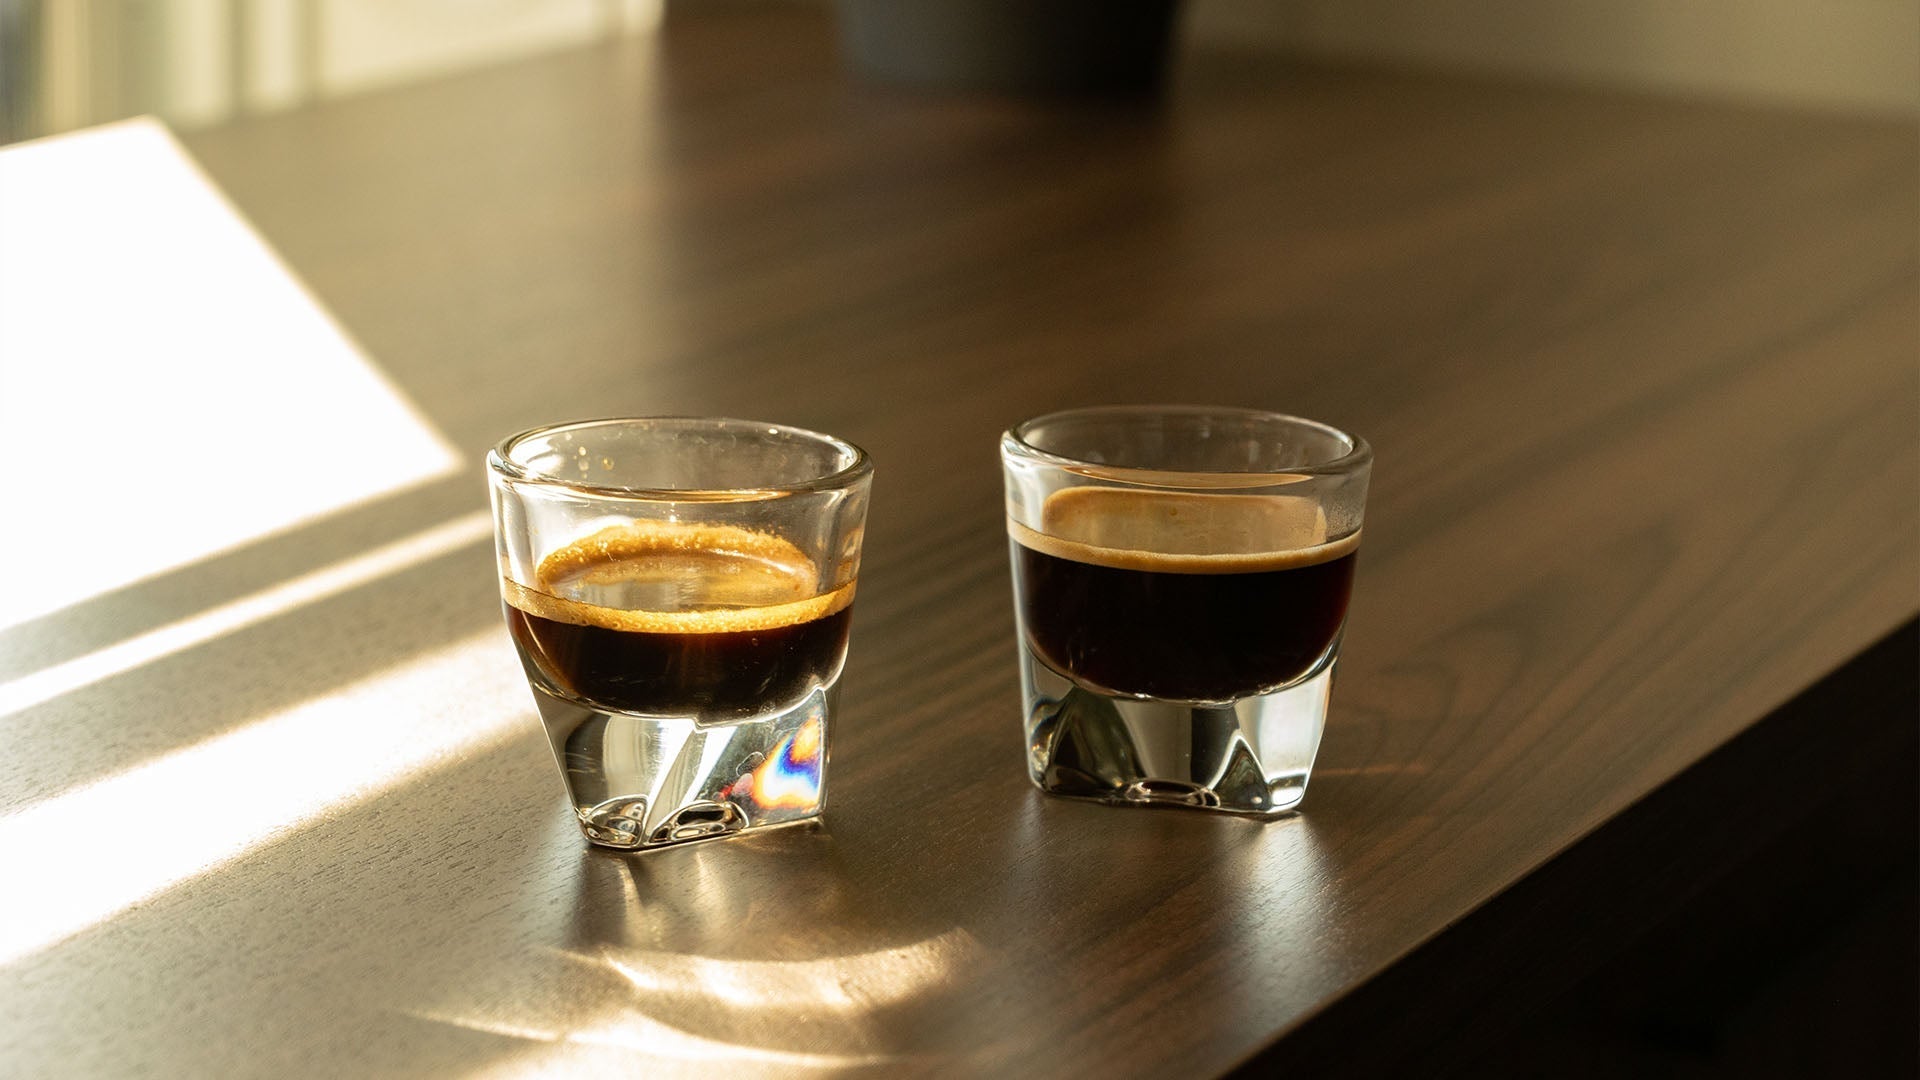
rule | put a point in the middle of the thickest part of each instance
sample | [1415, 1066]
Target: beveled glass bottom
[1251, 757]
[641, 782]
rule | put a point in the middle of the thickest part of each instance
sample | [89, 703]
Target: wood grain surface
[1642, 378]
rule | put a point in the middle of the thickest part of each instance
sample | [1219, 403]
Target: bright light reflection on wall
[205, 805]
[168, 389]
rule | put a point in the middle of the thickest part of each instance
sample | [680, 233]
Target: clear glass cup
[1181, 577]
[680, 591]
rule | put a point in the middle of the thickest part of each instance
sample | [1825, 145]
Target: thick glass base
[1249, 757]
[649, 781]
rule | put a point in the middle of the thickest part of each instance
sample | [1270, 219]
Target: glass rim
[501, 463]
[1358, 454]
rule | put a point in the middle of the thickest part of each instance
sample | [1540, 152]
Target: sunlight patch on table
[87, 855]
[46, 684]
[168, 388]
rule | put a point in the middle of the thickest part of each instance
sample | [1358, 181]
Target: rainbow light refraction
[790, 777]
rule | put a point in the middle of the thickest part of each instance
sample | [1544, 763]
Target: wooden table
[1643, 381]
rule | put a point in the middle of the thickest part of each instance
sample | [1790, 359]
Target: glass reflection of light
[660, 1046]
[633, 1009]
[193, 810]
[790, 777]
[840, 983]
[168, 388]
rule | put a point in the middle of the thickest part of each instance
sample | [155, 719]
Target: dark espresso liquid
[665, 620]
[739, 672]
[1184, 622]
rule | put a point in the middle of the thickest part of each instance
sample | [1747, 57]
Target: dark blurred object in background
[1096, 47]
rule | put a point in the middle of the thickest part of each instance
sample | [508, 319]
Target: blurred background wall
[1859, 55]
[71, 63]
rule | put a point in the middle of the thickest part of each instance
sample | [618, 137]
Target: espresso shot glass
[680, 592]
[1181, 577]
